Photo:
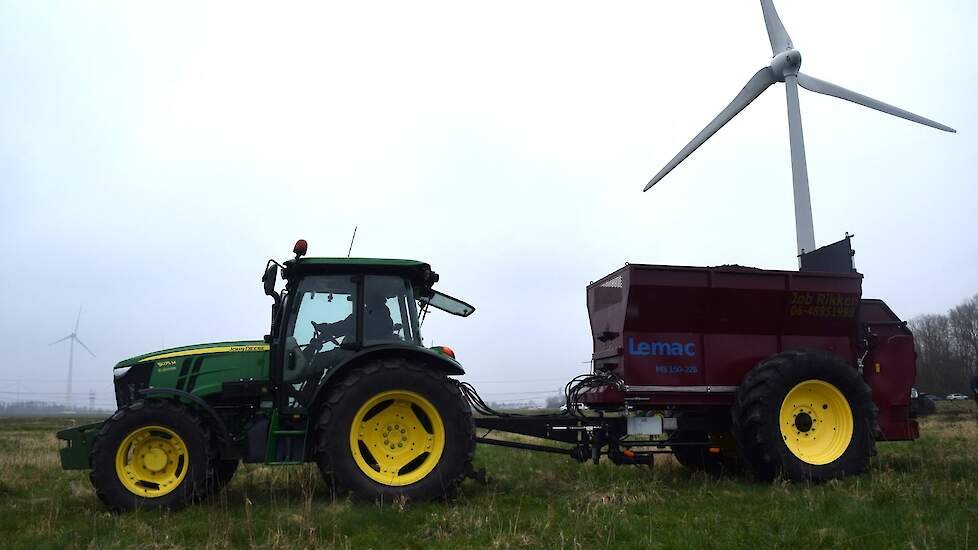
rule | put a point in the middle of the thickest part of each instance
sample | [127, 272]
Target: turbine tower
[784, 68]
[72, 338]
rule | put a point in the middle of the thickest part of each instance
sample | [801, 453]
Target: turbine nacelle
[786, 64]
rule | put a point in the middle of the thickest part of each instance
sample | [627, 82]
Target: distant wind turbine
[784, 68]
[72, 338]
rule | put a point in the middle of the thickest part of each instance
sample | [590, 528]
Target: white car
[956, 397]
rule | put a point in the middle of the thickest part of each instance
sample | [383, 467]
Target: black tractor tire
[699, 457]
[345, 399]
[222, 470]
[762, 441]
[141, 414]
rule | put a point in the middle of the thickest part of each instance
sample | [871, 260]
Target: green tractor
[342, 379]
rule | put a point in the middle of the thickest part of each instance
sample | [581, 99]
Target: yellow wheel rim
[397, 438]
[152, 461]
[816, 422]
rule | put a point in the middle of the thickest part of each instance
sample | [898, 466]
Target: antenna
[784, 67]
[351, 241]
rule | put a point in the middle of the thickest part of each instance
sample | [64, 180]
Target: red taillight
[300, 248]
[447, 351]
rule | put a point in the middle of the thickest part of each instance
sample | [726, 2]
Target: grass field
[918, 495]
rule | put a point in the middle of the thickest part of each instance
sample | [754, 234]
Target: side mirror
[269, 279]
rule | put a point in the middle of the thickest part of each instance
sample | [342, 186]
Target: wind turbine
[72, 338]
[784, 68]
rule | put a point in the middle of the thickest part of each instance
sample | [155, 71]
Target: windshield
[445, 302]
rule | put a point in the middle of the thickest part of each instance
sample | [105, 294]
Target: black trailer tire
[782, 404]
[699, 457]
[151, 454]
[395, 429]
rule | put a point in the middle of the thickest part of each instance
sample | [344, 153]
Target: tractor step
[287, 439]
[289, 432]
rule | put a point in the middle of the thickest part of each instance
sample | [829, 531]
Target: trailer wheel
[393, 428]
[699, 457]
[805, 416]
[151, 454]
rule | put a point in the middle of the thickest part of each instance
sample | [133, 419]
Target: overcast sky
[154, 155]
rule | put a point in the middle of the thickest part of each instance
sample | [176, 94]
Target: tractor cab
[336, 310]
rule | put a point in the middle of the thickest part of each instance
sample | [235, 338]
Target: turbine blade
[82, 344]
[761, 80]
[780, 41]
[61, 340]
[813, 84]
[78, 319]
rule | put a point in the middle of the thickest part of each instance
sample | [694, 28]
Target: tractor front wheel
[805, 416]
[393, 428]
[151, 454]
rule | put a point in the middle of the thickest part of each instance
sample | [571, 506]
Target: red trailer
[789, 373]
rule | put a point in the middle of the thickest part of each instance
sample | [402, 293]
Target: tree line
[947, 349]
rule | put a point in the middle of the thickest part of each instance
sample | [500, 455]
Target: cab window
[390, 314]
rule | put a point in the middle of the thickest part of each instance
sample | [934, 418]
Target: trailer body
[684, 338]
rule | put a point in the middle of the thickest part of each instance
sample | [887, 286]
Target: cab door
[321, 331]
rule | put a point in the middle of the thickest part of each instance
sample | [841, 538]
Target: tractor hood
[244, 346]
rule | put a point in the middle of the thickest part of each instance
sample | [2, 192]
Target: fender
[430, 358]
[213, 418]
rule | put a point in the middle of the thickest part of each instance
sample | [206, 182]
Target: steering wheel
[319, 334]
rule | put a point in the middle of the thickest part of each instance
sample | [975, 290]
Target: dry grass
[918, 495]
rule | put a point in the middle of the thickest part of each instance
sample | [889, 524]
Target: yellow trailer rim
[152, 461]
[397, 438]
[816, 422]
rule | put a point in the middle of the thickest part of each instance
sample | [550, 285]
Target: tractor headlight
[119, 373]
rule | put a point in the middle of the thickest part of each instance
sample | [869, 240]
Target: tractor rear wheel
[221, 473]
[151, 454]
[805, 416]
[699, 457]
[224, 470]
[393, 428]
